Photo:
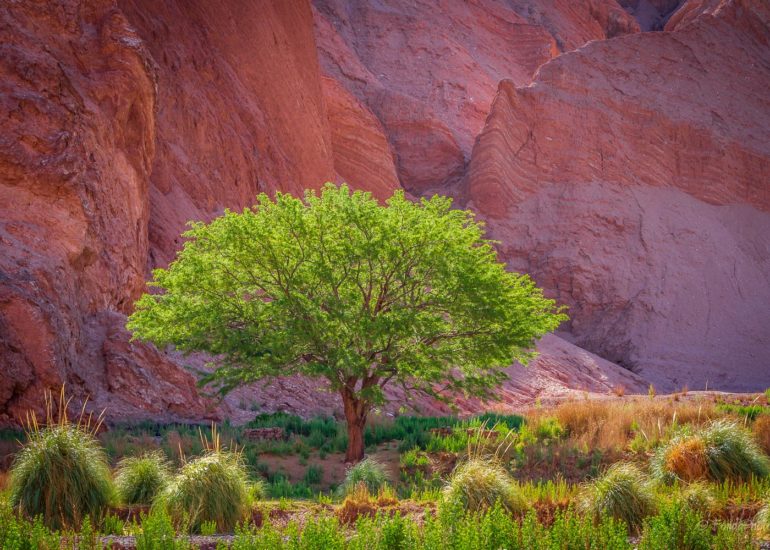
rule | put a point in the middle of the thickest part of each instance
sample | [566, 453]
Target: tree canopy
[340, 287]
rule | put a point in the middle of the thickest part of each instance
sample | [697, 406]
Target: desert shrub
[213, 487]
[761, 429]
[623, 492]
[17, 533]
[479, 483]
[723, 450]
[368, 472]
[61, 473]
[762, 522]
[677, 527]
[140, 479]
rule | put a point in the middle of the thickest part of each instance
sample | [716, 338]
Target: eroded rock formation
[632, 179]
[627, 171]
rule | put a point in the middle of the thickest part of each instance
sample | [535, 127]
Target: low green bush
[139, 480]
[368, 472]
[211, 488]
[623, 492]
[61, 474]
[479, 483]
[677, 527]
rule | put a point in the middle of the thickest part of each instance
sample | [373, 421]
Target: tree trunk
[356, 411]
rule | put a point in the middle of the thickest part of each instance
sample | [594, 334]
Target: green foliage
[211, 488]
[723, 450]
[750, 412]
[140, 479]
[157, 532]
[623, 492]
[313, 475]
[368, 472]
[339, 287]
[479, 483]
[61, 474]
[677, 527]
[18, 533]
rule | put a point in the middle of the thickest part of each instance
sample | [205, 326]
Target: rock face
[632, 179]
[429, 70]
[123, 123]
[630, 176]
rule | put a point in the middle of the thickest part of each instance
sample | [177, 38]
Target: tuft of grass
[211, 488]
[700, 498]
[623, 492]
[61, 473]
[368, 472]
[140, 479]
[761, 430]
[723, 450]
[479, 483]
[762, 522]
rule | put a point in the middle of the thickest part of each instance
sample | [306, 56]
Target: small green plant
[61, 473]
[623, 492]
[479, 483]
[313, 475]
[211, 488]
[676, 527]
[140, 479]
[113, 525]
[723, 450]
[157, 532]
[368, 472]
[208, 528]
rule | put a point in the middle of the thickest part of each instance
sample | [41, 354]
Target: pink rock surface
[429, 70]
[632, 179]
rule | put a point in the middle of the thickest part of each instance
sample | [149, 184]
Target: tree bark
[356, 411]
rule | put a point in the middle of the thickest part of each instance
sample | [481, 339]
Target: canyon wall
[627, 171]
[631, 178]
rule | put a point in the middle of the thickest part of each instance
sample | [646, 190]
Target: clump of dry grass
[687, 458]
[361, 503]
[721, 451]
[761, 429]
[612, 424]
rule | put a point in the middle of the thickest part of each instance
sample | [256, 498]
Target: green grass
[211, 488]
[139, 480]
[369, 473]
[479, 483]
[62, 475]
[623, 492]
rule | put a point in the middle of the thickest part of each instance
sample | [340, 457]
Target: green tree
[342, 288]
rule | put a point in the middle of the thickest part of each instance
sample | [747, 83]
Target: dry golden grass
[611, 424]
[360, 503]
[687, 459]
[761, 429]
